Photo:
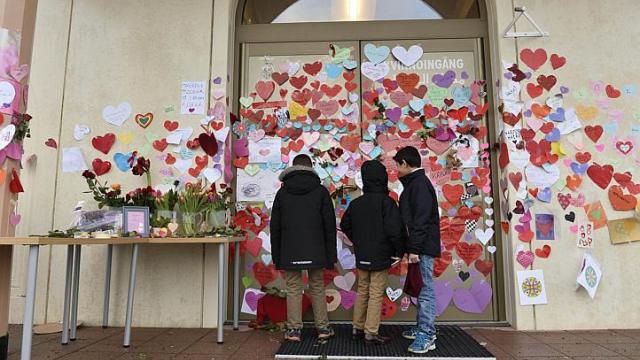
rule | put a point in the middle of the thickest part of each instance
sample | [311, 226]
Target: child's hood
[374, 177]
[299, 180]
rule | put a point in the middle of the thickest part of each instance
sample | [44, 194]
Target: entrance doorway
[333, 76]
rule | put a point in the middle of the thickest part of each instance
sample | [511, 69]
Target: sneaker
[376, 339]
[357, 334]
[325, 333]
[293, 335]
[410, 333]
[422, 344]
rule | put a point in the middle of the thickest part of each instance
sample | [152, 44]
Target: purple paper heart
[507, 75]
[564, 89]
[475, 299]
[369, 96]
[14, 151]
[452, 211]
[521, 228]
[527, 113]
[444, 294]
[464, 75]
[578, 168]
[557, 116]
[217, 80]
[544, 195]
[228, 170]
[444, 80]
[393, 114]
[241, 147]
[554, 135]
[380, 90]
[347, 259]
[526, 217]
[528, 74]
[348, 298]
[252, 300]
[468, 237]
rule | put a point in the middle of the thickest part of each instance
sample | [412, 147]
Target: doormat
[452, 343]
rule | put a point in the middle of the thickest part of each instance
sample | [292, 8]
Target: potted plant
[218, 205]
[193, 202]
[103, 194]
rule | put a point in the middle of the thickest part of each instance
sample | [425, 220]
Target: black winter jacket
[372, 221]
[419, 208]
[303, 222]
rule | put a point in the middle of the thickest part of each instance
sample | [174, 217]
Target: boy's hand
[413, 258]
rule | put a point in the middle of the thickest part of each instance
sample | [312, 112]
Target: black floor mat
[452, 343]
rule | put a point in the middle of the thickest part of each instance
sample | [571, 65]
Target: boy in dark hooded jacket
[373, 223]
[303, 237]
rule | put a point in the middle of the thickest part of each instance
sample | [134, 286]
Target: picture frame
[135, 218]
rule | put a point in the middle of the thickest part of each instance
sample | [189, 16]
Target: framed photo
[135, 218]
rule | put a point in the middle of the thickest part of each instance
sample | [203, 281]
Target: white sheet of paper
[540, 177]
[250, 301]
[267, 150]
[263, 186]
[73, 160]
[571, 122]
[514, 107]
[531, 287]
[194, 97]
[468, 155]
[590, 275]
[510, 90]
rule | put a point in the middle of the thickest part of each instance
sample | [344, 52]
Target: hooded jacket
[419, 209]
[372, 221]
[303, 222]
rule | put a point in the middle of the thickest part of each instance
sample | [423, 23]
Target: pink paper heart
[525, 258]
[14, 219]
[19, 72]
[348, 298]
[534, 123]
[567, 162]
[284, 158]
[600, 147]
[14, 151]
[574, 228]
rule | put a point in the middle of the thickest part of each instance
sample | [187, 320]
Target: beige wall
[139, 51]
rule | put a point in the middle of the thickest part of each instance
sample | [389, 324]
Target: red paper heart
[420, 91]
[534, 90]
[484, 266]
[600, 175]
[171, 125]
[583, 157]
[104, 143]
[544, 252]
[557, 61]
[593, 132]
[468, 252]
[280, 78]
[15, 186]
[51, 143]
[623, 178]
[515, 179]
[208, 143]
[298, 82]
[621, 201]
[160, 145]
[624, 147]
[612, 92]
[264, 274]
[451, 229]
[441, 263]
[510, 118]
[547, 82]
[453, 193]
[313, 68]
[533, 59]
[407, 82]
[100, 167]
[331, 91]
[265, 89]
[170, 159]
[241, 162]
[194, 172]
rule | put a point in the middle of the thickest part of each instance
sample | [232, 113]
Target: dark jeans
[427, 299]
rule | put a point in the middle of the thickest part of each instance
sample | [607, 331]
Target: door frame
[390, 30]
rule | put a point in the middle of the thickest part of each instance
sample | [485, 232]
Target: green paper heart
[246, 281]
[246, 101]
[597, 214]
[560, 184]
[252, 169]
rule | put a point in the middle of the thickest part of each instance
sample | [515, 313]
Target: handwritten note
[193, 98]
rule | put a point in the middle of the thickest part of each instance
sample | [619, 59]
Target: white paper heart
[212, 174]
[217, 93]
[492, 249]
[345, 282]
[484, 235]
[266, 241]
[221, 135]
[407, 57]
[117, 115]
[174, 138]
[393, 295]
[7, 92]
[293, 68]
[80, 131]
[182, 165]
[6, 135]
[373, 71]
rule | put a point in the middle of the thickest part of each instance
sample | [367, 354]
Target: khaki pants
[366, 313]
[294, 289]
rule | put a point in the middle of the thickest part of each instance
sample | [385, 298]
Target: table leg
[27, 330]
[132, 287]
[107, 287]
[67, 295]
[75, 292]
[236, 285]
[221, 292]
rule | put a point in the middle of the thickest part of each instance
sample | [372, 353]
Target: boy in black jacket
[303, 237]
[373, 223]
[419, 209]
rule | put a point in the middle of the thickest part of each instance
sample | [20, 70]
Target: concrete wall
[92, 53]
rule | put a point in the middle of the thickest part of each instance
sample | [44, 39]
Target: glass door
[347, 102]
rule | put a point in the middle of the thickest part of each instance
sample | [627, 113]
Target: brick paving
[247, 344]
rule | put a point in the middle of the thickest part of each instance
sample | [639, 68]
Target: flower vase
[216, 219]
[191, 223]
[166, 214]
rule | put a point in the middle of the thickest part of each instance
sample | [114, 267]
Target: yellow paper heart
[557, 149]
[586, 113]
[125, 138]
[296, 110]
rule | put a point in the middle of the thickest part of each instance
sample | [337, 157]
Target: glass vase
[191, 223]
[167, 214]
[216, 219]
